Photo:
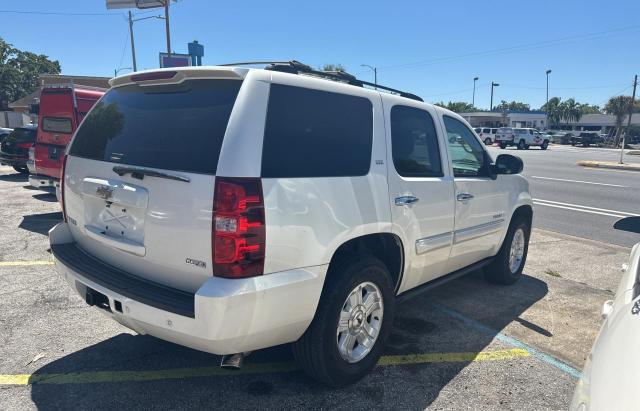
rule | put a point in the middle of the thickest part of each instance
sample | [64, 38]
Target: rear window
[56, 125]
[174, 127]
[312, 133]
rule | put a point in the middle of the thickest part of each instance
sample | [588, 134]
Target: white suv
[230, 209]
[488, 135]
[522, 138]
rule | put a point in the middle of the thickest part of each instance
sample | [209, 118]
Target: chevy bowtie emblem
[105, 192]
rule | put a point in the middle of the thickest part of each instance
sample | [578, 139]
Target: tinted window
[486, 130]
[467, 155]
[57, 125]
[176, 127]
[414, 143]
[312, 133]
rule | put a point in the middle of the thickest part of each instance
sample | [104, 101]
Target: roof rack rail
[296, 67]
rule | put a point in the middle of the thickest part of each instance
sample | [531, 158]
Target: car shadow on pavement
[630, 224]
[421, 326]
[48, 197]
[40, 223]
[16, 177]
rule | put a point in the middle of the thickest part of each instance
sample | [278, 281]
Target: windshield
[22, 135]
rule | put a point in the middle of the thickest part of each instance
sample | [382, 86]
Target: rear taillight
[64, 209]
[238, 232]
[156, 75]
[25, 145]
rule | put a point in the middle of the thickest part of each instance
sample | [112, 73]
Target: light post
[473, 99]
[492, 86]
[375, 73]
[546, 107]
[133, 46]
[115, 72]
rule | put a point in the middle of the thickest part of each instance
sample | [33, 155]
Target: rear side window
[486, 130]
[174, 127]
[312, 133]
[57, 125]
[414, 143]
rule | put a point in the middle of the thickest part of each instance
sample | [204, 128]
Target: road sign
[134, 4]
[176, 60]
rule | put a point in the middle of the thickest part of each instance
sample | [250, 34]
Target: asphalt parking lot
[466, 345]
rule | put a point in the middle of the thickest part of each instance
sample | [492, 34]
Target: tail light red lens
[156, 75]
[238, 243]
[25, 145]
[64, 209]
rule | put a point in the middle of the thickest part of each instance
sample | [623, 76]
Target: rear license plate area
[54, 153]
[97, 299]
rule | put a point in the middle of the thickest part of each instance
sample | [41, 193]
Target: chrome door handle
[464, 197]
[406, 200]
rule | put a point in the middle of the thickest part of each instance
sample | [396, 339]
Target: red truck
[62, 108]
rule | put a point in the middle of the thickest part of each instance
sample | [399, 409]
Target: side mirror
[508, 164]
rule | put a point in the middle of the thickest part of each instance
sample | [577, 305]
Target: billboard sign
[176, 60]
[134, 4]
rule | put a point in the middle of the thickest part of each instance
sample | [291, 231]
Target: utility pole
[633, 100]
[473, 99]
[546, 107]
[133, 47]
[166, 24]
[492, 86]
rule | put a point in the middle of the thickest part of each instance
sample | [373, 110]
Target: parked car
[586, 138]
[560, 137]
[522, 138]
[612, 370]
[61, 110]
[305, 208]
[14, 149]
[488, 135]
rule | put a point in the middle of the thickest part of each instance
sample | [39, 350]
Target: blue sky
[431, 48]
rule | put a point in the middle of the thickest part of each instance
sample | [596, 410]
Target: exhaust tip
[232, 361]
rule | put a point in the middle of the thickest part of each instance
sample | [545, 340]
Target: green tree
[19, 71]
[333, 67]
[590, 109]
[457, 106]
[553, 110]
[570, 111]
[619, 106]
[514, 106]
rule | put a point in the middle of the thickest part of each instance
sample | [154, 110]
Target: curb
[609, 165]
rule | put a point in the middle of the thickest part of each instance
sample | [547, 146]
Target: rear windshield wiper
[139, 173]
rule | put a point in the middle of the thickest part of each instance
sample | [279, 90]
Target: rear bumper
[228, 315]
[43, 181]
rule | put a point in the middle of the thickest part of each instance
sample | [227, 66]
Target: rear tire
[506, 267]
[21, 169]
[503, 146]
[317, 351]
[487, 141]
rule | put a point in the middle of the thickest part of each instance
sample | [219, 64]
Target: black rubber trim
[147, 292]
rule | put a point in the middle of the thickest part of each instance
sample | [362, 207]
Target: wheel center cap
[357, 319]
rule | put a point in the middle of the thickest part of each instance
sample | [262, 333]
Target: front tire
[487, 141]
[521, 145]
[544, 145]
[503, 146]
[508, 264]
[352, 322]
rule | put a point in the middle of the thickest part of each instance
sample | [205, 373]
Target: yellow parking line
[251, 368]
[24, 263]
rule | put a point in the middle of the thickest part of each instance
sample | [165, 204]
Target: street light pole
[492, 86]
[133, 46]
[166, 24]
[375, 73]
[546, 107]
[473, 99]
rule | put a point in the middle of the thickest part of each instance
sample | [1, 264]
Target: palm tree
[619, 107]
[572, 111]
[553, 111]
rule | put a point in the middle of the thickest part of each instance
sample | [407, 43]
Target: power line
[515, 48]
[58, 13]
[562, 88]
